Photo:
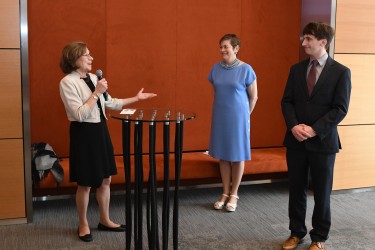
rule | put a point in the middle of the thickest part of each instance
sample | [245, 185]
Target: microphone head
[99, 74]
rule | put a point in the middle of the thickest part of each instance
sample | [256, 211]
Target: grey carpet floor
[260, 222]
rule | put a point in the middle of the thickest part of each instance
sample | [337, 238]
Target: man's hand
[309, 130]
[302, 132]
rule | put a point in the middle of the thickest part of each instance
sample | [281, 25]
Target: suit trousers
[321, 170]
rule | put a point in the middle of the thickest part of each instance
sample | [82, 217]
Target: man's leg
[321, 169]
[298, 179]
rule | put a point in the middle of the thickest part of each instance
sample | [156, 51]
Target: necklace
[230, 66]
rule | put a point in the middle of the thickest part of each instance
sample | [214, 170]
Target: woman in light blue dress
[235, 88]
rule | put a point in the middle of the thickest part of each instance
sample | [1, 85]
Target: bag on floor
[44, 160]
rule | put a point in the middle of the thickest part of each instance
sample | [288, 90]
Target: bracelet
[95, 97]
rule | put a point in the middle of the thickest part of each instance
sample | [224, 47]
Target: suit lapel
[305, 65]
[323, 76]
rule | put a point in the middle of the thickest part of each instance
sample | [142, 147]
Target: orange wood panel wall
[167, 48]
[362, 103]
[9, 24]
[355, 26]
[12, 180]
[355, 163]
[12, 191]
[355, 47]
[11, 103]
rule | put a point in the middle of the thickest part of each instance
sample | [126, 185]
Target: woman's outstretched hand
[144, 96]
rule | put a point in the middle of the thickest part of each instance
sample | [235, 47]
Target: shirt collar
[322, 60]
[76, 74]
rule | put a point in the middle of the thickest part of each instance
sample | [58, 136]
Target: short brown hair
[70, 55]
[233, 39]
[320, 30]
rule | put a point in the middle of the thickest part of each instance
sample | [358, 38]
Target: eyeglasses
[88, 55]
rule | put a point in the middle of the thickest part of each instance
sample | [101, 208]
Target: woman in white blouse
[92, 160]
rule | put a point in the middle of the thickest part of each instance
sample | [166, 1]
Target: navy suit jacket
[323, 110]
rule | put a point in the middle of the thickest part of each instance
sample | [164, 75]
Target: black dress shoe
[86, 237]
[121, 228]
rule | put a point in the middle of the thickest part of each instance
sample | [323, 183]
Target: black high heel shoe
[86, 237]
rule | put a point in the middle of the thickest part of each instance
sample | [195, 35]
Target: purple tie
[311, 78]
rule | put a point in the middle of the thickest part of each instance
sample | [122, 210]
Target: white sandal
[220, 204]
[231, 207]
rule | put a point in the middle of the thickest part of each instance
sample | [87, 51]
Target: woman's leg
[82, 201]
[225, 172]
[237, 173]
[103, 194]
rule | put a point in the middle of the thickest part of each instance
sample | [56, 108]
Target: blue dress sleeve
[210, 76]
[250, 76]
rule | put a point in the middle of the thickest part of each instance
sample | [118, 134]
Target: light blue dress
[230, 127]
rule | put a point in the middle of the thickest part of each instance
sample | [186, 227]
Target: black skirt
[91, 153]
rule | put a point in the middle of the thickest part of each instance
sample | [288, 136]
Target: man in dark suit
[315, 101]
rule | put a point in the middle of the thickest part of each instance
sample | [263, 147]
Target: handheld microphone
[99, 74]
